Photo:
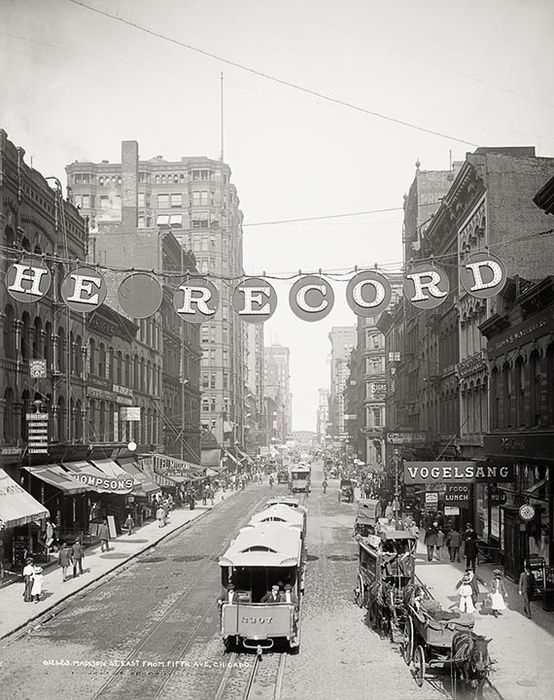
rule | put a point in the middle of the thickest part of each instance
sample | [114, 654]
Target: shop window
[535, 388]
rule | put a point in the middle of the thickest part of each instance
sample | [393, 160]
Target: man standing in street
[526, 582]
[64, 560]
[104, 535]
[453, 542]
[77, 554]
[470, 546]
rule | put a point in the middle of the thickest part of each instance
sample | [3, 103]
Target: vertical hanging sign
[37, 433]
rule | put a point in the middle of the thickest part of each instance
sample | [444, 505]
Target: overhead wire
[273, 78]
[10, 254]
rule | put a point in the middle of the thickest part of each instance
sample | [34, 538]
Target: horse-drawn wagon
[367, 517]
[386, 569]
[445, 640]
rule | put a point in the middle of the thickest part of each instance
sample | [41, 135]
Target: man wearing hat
[28, 571]
[470, 546]
[272, 596]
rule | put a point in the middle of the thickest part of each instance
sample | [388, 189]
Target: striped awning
[54, 475]
[17, 506]
[144, 486]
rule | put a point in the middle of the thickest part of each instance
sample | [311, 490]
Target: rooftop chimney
[129, 185]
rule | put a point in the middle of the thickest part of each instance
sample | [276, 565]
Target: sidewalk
[15, 613]
[523, 648]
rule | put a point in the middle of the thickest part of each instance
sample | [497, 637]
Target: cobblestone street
[166, 641]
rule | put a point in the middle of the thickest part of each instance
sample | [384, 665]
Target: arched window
[92, 356]
[128, 371]
[9, 332]
[118, 368]
[507, 395]
[78, 422]
[9, 431]
[78, 353]
[102, 360]
[535, 388]
[62, 350]
[519, 391]
[25, 330]
[93, 433]
[61, 419]
[38, 350]
[142, 373]
[48, 344]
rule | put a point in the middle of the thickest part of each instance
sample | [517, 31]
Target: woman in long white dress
[38, 580]
[497, 593]
[466, 591]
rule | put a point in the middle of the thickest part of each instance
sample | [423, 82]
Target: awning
[243, 455]
[231, 457]
[110, 468]
[55, 476]
[144, 485]
[110, 479]
[17, 506]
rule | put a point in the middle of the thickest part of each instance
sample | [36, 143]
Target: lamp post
[396, 502]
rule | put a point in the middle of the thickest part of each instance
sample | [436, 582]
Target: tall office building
[193, 199]
[343, 339]
[322, 416]
[277, 387]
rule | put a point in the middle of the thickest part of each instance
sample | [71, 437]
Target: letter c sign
[311, 298]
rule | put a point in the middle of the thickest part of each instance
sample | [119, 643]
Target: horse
[471, 659]
[379, 605]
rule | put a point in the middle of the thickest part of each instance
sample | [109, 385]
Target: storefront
[108, 485]
[521, 533]
[21, 520]
[139, 501]
[64, 496]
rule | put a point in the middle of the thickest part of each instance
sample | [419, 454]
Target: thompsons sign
[106, 484]
[455, 472]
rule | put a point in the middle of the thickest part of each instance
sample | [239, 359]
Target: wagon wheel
[419, 665]
[408, 646]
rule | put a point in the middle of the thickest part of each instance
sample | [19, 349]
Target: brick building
[194, 200]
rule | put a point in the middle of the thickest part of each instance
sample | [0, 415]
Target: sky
[477, 72]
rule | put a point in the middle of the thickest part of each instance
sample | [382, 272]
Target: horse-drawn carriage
[346, 490]
[386, 570]
[442, 640]
[369, 512]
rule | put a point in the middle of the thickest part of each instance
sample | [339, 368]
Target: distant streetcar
[301, 476]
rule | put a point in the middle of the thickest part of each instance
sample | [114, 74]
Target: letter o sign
[84, 289]
[311, 298]
[368, 293]
[196, 300]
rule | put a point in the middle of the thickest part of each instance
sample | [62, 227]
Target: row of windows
[210, 404]
[175, 178]
[522, 394]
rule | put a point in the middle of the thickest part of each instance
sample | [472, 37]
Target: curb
[120, 564]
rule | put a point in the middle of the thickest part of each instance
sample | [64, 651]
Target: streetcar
[284, 514]
[261, 557]
[301, 475]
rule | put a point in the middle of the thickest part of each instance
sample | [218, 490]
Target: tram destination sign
[456, 472]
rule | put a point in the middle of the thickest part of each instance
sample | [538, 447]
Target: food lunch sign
[311, 297]
[456, 472]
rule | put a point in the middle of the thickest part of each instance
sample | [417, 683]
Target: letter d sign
[483, 275]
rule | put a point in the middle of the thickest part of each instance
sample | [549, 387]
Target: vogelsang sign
[455, 472]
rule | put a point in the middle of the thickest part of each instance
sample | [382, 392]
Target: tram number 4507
[256, 620]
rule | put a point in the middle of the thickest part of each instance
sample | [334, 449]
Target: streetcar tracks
[261, 680]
